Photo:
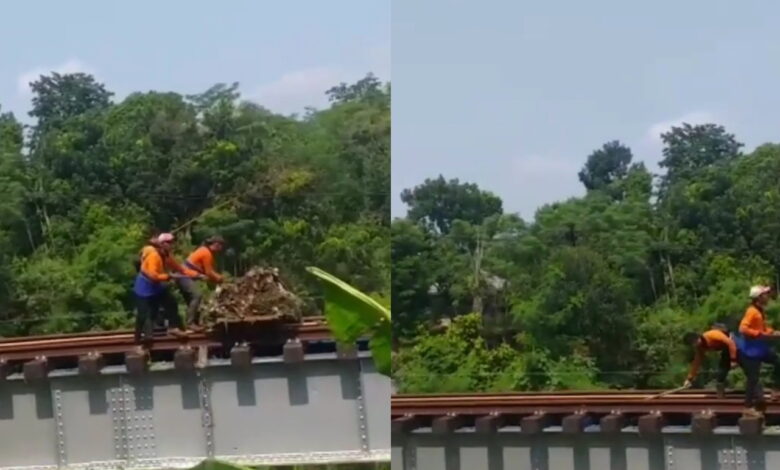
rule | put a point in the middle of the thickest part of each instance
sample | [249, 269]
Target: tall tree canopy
[438, 203]
[606, 165]
[56, 98]
[596, 290]
[97, 177]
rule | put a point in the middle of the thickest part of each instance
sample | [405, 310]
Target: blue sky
[515, 95]
[285, 54]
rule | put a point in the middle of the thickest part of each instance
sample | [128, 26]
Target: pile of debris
[258, 294]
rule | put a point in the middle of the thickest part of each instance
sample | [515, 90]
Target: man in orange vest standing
[151, 290]
[754, 347]
[199, 266]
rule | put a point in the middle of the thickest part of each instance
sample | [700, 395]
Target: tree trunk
[29, 234]
[477, 305]
[671, 277]
[652, 283]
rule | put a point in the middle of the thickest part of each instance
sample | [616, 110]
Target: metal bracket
[60, 426]
[116, 398]
[140, 440]
[207, 417]
[361, 405]
[668, 453]
[409, 455]
[727, 459]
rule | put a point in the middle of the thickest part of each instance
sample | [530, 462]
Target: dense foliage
[92, 178]
[596, 291]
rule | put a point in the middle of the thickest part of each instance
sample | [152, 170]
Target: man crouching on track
[754, 348]
[151, 290]
[715, 339]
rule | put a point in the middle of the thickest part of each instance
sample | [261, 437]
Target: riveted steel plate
[164, 415]
[27, 427]
[257, 412]
[376, 393]
[87, 417]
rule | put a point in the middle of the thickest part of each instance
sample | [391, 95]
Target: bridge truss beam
[325, 409]
[514, 450]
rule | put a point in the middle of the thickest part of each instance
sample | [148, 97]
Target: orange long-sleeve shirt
[146, 250]
[203, 261]
[173, 265]
[713, 340]
[169, 262]
[753, 324]
[153, 267]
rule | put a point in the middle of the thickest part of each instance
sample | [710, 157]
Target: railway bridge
[581, 431]
[250, 394]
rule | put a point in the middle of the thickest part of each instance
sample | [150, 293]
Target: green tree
[599, 287]
[688, 148]
[438, 203]
[606, 165]
[95, 179]
[367, 88]
[59, 97]
[413, 277]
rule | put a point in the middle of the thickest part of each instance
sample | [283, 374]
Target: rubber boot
[761, 406]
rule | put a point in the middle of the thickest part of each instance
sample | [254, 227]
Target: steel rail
[68, 345]
[702, 410]
[637, 402]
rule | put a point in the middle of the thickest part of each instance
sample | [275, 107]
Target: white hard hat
[757, 291]
[165, 238]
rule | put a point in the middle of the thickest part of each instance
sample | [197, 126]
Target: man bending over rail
[715, 339]
[754, 348]
[199, 266]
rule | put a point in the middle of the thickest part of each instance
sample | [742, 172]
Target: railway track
[35, 356]
[574, 412]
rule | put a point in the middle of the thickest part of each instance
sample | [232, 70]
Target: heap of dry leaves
[258, 293]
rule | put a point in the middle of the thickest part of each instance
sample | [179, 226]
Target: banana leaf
[352, 314]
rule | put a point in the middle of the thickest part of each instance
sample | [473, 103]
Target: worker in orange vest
[199, 266]
[151, 290]
[754, 347]
[715, 339]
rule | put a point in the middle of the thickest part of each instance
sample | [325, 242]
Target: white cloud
[69, 66]
[294, 91]
[697, 117]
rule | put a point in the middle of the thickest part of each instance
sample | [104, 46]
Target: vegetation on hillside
[597, 290]
[92, 177]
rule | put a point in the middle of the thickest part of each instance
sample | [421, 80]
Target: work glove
[688, 383]
[733, 364]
